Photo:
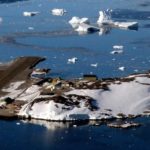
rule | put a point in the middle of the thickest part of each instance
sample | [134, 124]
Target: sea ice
[86, 28]
[105, 19]
[118, 47]
[30, 28]
[122, 68]
[1, 20]
[72, 60]
[58, 12]
[126, 25]
[29, 14]
[18, 123]
[116, 52]
[94, 65]
[76, 21]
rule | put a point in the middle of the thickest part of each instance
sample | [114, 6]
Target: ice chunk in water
[121, 68]
[85, 28]
[58, 12]
[29, 14]
[1, 20]
[72, 60]
[118, 47]
[75, 21]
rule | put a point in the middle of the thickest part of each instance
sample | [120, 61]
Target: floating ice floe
[30, 28]
[136, 70]
[116, 52]
[105, 19]
[58, 12]
[1, 20]
[121, 68]
[124, 125]
[104, 30]
[18, 123]
[72, 60]
[86, 28]
[126, 25]
[82, 25]
[94, 65]
[76, 21]
[30, 13]
[118, 47]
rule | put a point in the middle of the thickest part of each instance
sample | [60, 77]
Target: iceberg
[105, 19]
[76, 21]
[116, 52]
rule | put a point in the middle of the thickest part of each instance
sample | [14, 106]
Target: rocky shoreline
[26, 92]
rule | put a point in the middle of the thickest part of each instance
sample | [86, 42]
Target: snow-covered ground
[127, 98]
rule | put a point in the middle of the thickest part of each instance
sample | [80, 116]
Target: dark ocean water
[50, 135]
[55, 39]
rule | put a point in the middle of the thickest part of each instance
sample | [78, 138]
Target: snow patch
[127, 98]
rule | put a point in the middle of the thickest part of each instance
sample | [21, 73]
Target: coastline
[29, 94]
